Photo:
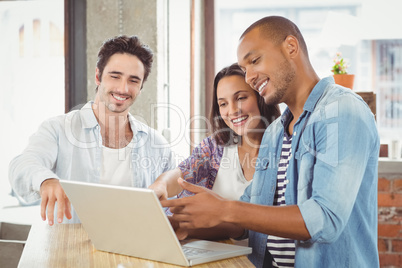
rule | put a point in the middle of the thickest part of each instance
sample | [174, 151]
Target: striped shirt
[282, 249]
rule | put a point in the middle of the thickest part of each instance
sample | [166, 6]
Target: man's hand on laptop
[203, 210]
[181, 233]
[50, 192]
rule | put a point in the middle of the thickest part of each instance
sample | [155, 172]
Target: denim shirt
[69, 147]
[332, 178]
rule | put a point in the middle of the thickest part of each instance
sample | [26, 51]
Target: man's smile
[119, 97]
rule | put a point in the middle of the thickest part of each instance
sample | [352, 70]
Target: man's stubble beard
[283, 78]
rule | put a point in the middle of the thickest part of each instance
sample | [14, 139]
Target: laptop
[131, 221]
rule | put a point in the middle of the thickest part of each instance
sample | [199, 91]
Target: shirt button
[295, 133]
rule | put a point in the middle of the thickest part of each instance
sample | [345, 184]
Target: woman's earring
[235, 139]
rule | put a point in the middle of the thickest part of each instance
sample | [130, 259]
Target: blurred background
[48, 53]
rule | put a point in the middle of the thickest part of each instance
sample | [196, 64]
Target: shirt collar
[312, 99]
[317, 92]
[89, 120]
[137, 126]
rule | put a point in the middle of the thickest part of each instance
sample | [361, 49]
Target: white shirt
[116, 166]
[230, 182]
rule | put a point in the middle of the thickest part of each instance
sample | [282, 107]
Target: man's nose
[124, 85]
[250, 77]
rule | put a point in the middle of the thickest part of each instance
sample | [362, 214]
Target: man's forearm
[221, 231]
[284, 221]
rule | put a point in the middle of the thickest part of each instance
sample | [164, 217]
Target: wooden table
[68, 245]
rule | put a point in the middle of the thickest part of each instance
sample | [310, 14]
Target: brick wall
[390, 220]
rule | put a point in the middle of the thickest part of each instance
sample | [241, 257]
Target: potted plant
[341, 75]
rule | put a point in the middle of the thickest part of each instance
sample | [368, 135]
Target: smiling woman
[238, 106]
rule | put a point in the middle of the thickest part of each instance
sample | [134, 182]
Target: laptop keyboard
[191, 252]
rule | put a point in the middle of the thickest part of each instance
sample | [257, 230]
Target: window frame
[75, 53]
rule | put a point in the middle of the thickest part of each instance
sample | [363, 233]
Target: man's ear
[97, 77]
[291, 46]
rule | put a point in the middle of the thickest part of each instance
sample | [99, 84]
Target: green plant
[340, 66]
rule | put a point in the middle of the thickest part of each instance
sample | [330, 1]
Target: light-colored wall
[109, 18]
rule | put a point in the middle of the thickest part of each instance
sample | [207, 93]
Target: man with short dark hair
[100, 143]
[313, 199]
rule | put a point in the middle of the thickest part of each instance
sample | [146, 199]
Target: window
[31, 73]
[178, 83]
[388, 74]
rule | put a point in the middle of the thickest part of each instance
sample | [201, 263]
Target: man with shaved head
[313, 199]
